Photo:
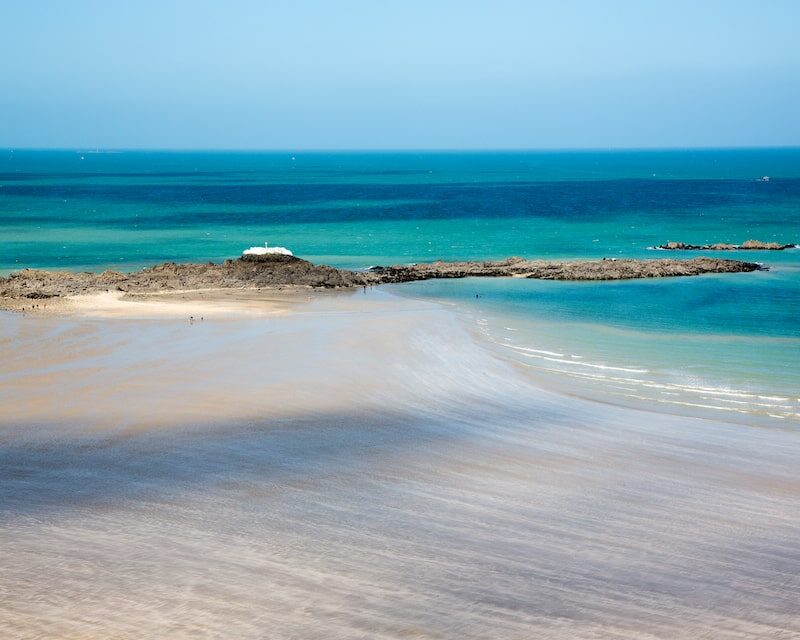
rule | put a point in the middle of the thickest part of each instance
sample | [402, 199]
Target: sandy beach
[361, 465]
[192, 303]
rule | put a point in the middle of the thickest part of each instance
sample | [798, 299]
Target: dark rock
[769, 246]
[747, 245]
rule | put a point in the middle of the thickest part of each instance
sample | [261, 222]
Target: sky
[408, 74]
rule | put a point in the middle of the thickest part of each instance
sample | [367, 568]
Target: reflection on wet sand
[362, 467]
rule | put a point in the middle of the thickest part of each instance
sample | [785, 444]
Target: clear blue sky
[408, 74]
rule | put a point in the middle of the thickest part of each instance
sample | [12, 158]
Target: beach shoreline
[237, 304]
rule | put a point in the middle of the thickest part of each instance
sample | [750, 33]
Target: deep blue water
[736, 333]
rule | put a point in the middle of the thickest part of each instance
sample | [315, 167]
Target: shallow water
[724, 346]
[366, 468]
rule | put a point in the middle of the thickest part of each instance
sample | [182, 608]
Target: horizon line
[96, 149]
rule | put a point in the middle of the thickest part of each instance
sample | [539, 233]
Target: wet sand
[359, 465]
[194, 303]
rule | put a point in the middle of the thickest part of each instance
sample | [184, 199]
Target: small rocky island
[277, 270]
[747, 245]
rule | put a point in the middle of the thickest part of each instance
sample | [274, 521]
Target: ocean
[724, 346]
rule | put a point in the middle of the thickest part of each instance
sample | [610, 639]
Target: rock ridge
[275, 271]
[747, 245]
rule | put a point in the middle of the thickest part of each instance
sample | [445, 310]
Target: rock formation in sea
[279, 270]
[604, 269]
[751, 245]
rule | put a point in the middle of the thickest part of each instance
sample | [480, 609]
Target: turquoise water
[726, 344]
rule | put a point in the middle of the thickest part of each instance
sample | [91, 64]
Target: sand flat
[362, 466]
[194, 303]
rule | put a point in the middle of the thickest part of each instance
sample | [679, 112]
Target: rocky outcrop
[759, 245]
[605, 269]
[270, 270]
[751, 245]
[275, 270]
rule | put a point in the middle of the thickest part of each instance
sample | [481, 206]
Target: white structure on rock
[262, 251]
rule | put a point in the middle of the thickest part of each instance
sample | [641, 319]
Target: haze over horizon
[399, 76]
